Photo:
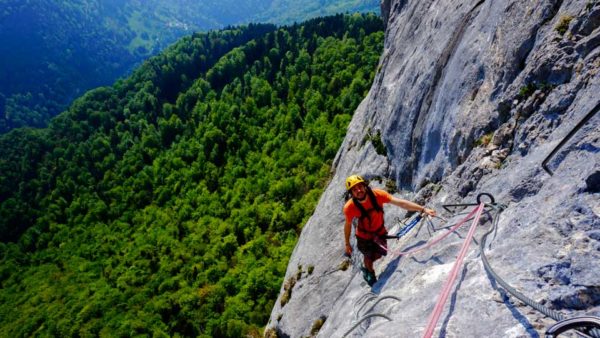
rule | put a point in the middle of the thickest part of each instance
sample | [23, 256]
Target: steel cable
[363, 319]
[532, 303]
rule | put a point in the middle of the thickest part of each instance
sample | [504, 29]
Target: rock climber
[366, 205]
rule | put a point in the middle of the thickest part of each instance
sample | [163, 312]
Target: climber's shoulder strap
[364, 213]
[376, 205]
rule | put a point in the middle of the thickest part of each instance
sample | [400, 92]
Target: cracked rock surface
[470, 97]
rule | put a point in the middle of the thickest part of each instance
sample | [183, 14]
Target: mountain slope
[470, 98]
[168, 203]
[53, 51]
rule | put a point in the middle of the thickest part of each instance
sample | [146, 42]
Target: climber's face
[359, 191]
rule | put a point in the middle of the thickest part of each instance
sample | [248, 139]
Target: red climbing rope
[436, 240]
[439, 306]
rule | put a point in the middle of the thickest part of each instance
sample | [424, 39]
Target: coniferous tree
[169, 203]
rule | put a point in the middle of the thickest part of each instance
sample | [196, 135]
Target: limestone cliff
[470, 97]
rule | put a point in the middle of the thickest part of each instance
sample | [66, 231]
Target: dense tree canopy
[52, 51]
[169, 203]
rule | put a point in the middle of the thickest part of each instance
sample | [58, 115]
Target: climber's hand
[348, 252]
[429, 212]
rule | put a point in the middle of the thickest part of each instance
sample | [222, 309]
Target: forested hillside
[53, 51]
[169, 203]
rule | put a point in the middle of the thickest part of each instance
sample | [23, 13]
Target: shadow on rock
[391, 268]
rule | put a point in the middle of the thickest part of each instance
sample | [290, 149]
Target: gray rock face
[471, 97]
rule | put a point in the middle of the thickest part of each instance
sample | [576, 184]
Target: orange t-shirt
[368, 229]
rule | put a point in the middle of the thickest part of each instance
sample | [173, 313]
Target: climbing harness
[375, 206]
[365, 213]
[568, 137]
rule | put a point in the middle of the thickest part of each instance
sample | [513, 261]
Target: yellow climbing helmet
[353, 180]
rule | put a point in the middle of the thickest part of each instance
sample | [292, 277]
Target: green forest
[168, 204]
[52, 51]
